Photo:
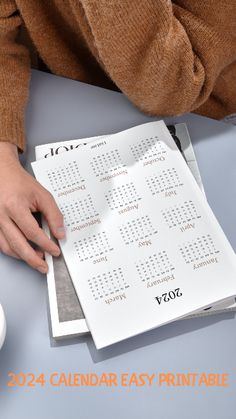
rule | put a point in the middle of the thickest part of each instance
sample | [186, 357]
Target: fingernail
[61, 232]
[42, 269]
[56, 252]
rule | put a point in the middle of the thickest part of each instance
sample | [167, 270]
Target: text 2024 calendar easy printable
[142, 245]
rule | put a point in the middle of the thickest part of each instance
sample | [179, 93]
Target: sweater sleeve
[14, 76]
[163, 56]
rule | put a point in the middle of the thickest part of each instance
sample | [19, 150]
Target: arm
[14, 76]
[20, 193]
[164, 57]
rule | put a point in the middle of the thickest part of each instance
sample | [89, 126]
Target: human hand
[20, 195]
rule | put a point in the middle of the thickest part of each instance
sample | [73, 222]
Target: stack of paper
[143, 247]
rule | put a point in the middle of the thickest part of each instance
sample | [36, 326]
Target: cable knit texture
[168, 57]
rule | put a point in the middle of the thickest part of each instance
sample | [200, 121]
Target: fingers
[5, 248]
[19, 245]
[31, 230]
[48, 206]
[40, 253]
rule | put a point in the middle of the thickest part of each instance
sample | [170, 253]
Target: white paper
[135, 212]
[61, 327]
[66, 314]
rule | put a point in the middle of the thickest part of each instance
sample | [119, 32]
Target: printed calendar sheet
[142, 245]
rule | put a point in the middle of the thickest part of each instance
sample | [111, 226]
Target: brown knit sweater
[168, 57]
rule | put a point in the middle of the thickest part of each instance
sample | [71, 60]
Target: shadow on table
[151, 337]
